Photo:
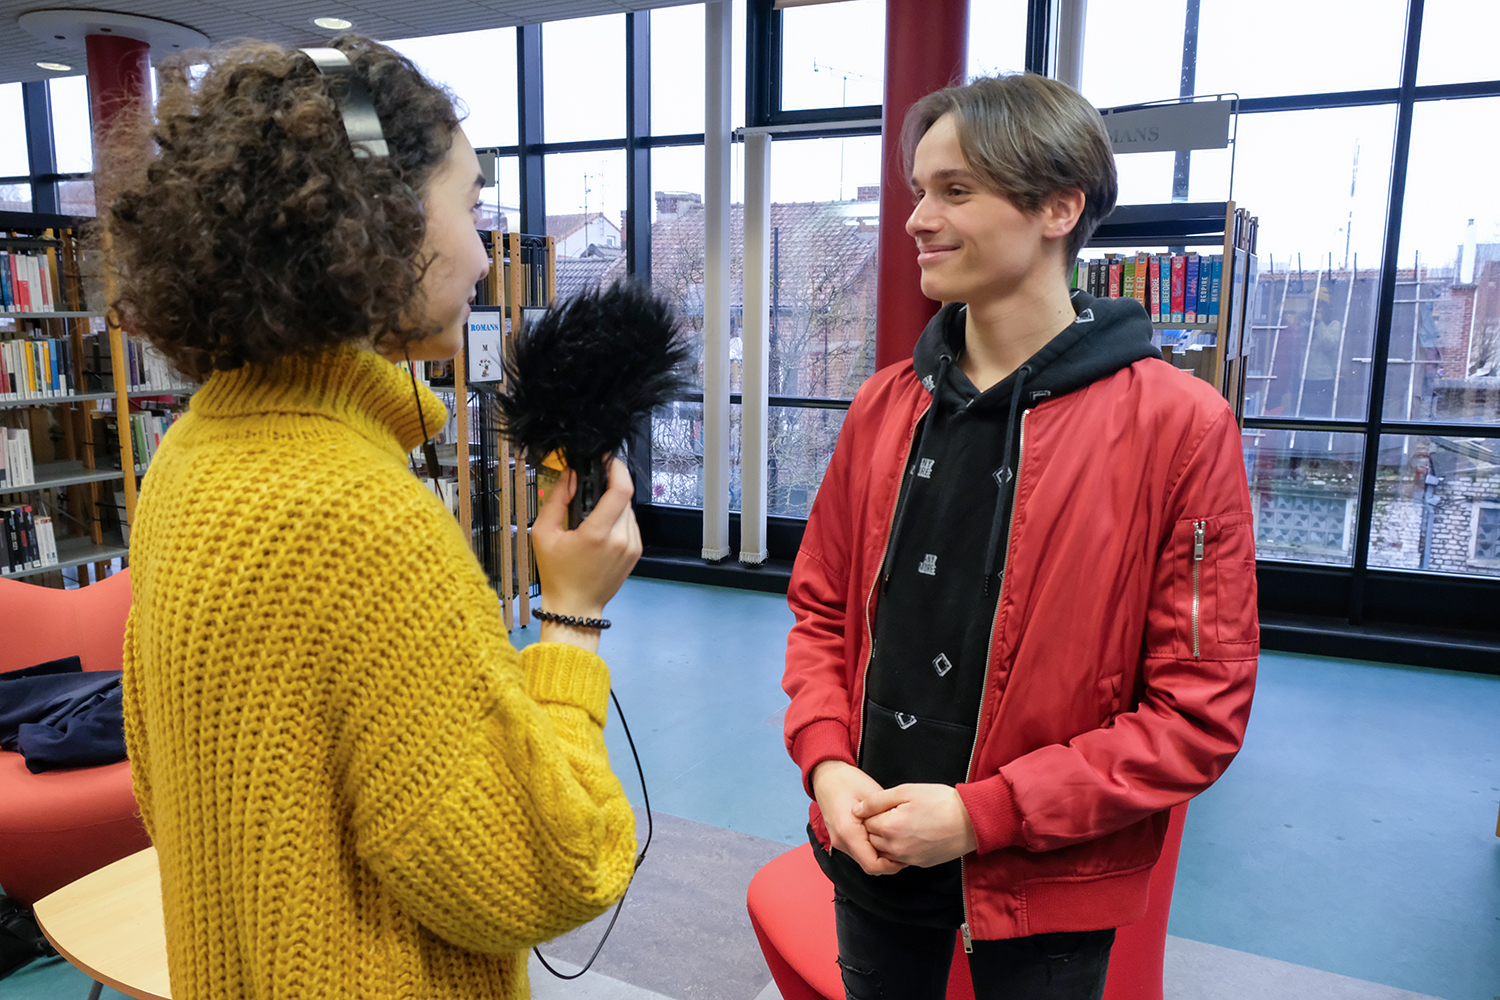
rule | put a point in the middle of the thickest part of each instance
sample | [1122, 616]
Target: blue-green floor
[1354, 833]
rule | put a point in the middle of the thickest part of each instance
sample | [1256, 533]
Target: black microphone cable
[646, 797]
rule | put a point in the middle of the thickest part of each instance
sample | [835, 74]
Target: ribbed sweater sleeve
[483, 797]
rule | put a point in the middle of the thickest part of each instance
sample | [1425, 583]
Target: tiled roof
[823, 247]
[577, 274]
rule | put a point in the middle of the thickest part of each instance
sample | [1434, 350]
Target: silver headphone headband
[357, 109]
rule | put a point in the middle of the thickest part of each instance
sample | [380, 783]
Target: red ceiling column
[119, 77]
[926, 49]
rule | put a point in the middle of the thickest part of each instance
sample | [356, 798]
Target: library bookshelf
[1216, 350]
[56, 402]
[496, 495]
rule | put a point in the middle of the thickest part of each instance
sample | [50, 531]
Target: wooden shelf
[77, 397]
[51, 475]
[50, 315]
[74, 552]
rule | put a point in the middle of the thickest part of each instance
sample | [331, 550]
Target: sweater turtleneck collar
[353, 386]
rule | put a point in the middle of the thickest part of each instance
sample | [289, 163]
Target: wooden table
[109, 924]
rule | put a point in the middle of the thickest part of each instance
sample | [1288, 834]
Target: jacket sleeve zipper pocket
[1199, 528]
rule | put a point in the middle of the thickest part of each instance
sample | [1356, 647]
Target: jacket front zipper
[859, 744]
[1198, 529]
[994, 622]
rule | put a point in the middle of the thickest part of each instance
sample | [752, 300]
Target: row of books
[1173, 288]
[446, 490]
[146, 430]
[28, 282]
[147, 369]
[16, 467]
[26, 541]
[35, 368]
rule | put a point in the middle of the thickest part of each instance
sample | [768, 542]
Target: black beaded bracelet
[570, 620]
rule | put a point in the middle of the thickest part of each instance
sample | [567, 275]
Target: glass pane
[500, 205]
[1313, 313]
[677, 246]
[1437, 505]
[677, 80]
[13, 152]
[833, 55]
[1458, 42]
[15, 197]
[800, 445]
[1445, 331]
[1310, 337]
[1319, 47]
[480, 68]
[583, 79]
[71, 132]
[677, 455]
[1132, 51]
[585, 214]
[997, 37]
[1304, 489]
[76, 198]
[825, 217]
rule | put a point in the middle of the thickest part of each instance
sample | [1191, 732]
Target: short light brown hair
[1027, 137]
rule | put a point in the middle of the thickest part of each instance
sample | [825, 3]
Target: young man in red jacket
[1025, 599]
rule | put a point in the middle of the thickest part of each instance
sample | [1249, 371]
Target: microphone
[580, 378]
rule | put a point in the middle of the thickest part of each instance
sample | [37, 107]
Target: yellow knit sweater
[358, 788]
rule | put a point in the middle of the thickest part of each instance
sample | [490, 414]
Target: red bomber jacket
[1125, 640]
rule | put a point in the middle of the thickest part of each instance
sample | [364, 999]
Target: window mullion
[1386, 309]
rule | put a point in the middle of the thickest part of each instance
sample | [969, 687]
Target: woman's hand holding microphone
[582, 569]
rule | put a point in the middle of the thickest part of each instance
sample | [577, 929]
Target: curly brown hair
[252, 232]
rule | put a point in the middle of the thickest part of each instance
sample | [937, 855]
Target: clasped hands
[886, 829]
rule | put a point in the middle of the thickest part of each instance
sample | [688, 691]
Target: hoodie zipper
[994, 621]
[1199, 527]
[879, 576]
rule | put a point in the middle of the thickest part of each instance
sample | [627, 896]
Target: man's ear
[1060, 212]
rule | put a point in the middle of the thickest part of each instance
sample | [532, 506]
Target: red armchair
[58, 826]
[791, 909]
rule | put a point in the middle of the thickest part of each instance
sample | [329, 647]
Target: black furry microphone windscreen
[581, 378]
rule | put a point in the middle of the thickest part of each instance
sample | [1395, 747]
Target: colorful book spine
[1214, 284]
[1179, 273]
[1127, 284]
[1142, 279]
[1116, 276]
[1190, 290]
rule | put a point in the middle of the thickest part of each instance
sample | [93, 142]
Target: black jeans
[880, 958]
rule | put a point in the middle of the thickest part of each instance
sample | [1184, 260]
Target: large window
[1372, 437]
[583, 76]
[71, 132]
[479, 67]
[833, 55]
[13, 152]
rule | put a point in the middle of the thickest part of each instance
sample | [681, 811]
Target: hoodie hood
[1106, 336]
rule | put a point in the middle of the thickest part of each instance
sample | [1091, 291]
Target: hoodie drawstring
[944, 362]
[1007, 487]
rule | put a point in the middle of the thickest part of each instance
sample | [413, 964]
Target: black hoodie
[944, 563]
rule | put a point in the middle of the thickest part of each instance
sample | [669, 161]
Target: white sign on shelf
[484, 351]
[1169, 127]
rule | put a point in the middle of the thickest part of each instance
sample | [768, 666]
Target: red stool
[57, 826]
[791, 909]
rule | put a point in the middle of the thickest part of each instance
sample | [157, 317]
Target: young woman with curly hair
[356, 785]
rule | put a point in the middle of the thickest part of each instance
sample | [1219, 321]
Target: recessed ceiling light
[333, 23]
[56, 67]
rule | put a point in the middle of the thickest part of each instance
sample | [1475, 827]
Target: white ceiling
[290, 21]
